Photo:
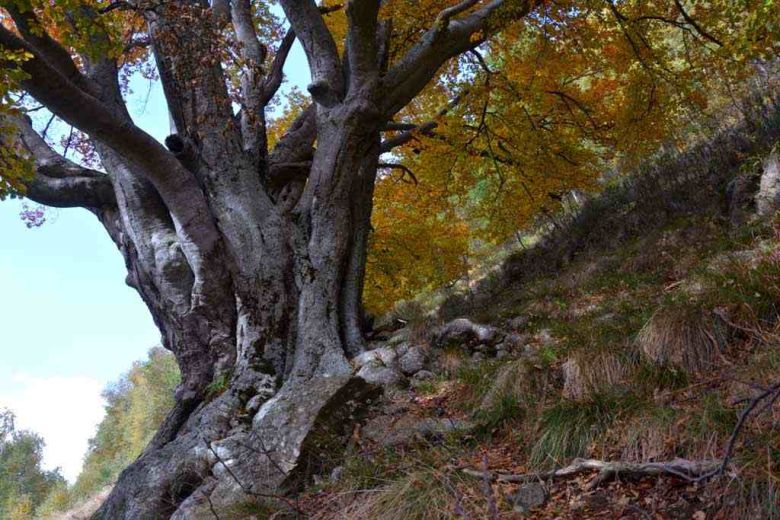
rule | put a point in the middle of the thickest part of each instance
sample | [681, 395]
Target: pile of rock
[391, 365]
[398, 361]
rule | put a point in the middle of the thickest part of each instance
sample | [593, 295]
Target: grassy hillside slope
[640, 330]
[643, 329]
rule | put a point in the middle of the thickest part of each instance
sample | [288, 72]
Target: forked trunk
[250, 259]
[247, 418]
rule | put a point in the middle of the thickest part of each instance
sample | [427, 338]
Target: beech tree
[251, 258]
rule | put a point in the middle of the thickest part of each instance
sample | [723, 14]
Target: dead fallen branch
[692, 471]
[768, 396]
[682, 468]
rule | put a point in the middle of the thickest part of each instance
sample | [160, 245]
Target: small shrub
[219, 385]
[421, 494]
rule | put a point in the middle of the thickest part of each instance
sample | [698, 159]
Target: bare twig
[691, 471]
[393, 126]
[404, 169]
[772, 393]
[459, 509]
[696, 26]
[48, 125]
[425, 128]
[116, 5]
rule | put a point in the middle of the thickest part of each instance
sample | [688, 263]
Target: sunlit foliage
[136, 406]
[579, 91]
[575, 90]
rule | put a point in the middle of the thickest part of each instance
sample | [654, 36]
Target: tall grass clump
[567, 429]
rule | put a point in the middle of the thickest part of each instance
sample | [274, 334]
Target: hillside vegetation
[625, 366]
[24, 483]
[135, 407]
[642, 331]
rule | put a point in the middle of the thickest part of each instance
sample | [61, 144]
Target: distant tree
[23, 481]
[136, 406]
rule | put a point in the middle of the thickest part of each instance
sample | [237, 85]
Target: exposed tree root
[685, 469]
[692, 471]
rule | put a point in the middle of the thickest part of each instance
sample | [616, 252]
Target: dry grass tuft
[424, 494]
[585, 373]
[419, 322]
[511, 381]
[451, 360]
[691, 340]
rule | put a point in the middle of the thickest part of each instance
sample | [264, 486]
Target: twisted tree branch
[59, 182]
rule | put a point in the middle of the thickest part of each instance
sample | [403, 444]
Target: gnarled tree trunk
[250, 260]
[286, 317]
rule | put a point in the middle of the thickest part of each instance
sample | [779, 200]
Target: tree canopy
[544, 108]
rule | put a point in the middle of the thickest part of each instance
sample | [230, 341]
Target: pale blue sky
[69, 324]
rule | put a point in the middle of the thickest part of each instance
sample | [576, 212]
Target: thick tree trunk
[295, 325]
[250, 260]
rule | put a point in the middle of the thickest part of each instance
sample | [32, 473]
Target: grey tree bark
[251, 261]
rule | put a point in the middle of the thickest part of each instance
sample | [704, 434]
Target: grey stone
[518, 323]
[516, 340]
[462, 331]
[439, 426]
[606, 318]
[412, 361]
[265, 388]
[768, 196]
[477, 357]
[391, 431]
[545, 337]
[423, 375]
[398, 337]
[336, 474]
[382, 356]
[255, 403]
[740, 197]
[401, 349]
[529, 496]
[381, 375]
